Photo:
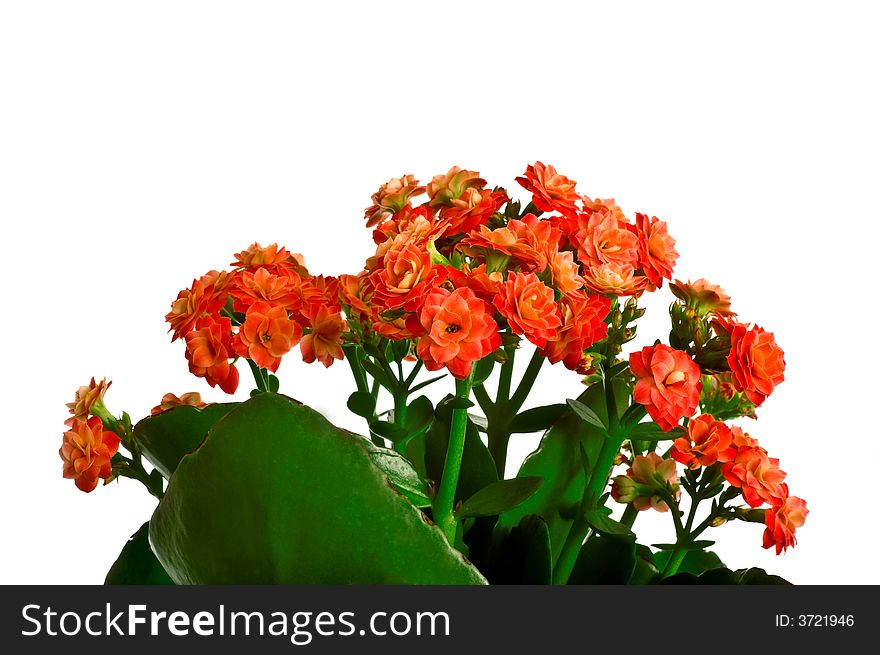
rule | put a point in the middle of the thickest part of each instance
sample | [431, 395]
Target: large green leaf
[696, 562]
[165, 438]
[753, 576]
[559, 460]
[523, 557]
[137, 564]
[401, 474]
[278, 495]
[498, 497]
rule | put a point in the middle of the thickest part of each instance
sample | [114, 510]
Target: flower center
[452, 329]
[674, 378]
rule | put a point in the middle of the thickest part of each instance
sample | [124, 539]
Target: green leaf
[645, 570]
[559, 461]
[388, 430]
[279, 495]
[136, 564]
[523, 557]
[586, 414]
[401, 474]
[617, 368]
[695, 561]
[454, 402]
[165, 438]
[499, 497]
[419, 415]
[604, 561]
[538, 418]
[274, 383]
[377, 372]
[724, 576]
[483, 369]
[652, 432]
[599, 520]
[422, 385]
[399, 349]
[694, 545]
[362, 404]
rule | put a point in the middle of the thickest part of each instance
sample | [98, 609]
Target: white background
[142, 144]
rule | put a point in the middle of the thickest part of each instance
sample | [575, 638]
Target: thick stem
[528, 380]
[630, 514]
[400, 418]
[499, 438]
[505, 376]
[570, 550]
[445, 500]
[259, 376]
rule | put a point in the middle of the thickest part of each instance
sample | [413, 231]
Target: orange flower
[782, 521]
[266, 335]
[316, 292]
[458, 330]
[263, 285]
[392, 197]
[529, 307]
[564, 271]
[86, 451]
[324, 342]
[170, 401]
[741, 439]
[668, 385]
[615, 280]
[85, 399]
[469, 211]
[550, 190]
[758, 475]
[406, 276]
[708, 441]
[648, 475]
[485, 285]
[600, 204]
[208, 351]
[657, 251]
[443, 189]
[757, 363]
[583, 325]
[703, 297]
[516, 240]
[605, 239]
[271, 256]
[355, 292]
[206, 296]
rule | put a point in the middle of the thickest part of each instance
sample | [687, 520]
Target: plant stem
[400, 418]
[630, 514]
[525, 385]
[259, 378]
[445, 500]
[570, 549]
[505, 376]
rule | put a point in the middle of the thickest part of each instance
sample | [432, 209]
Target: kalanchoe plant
[463, 277]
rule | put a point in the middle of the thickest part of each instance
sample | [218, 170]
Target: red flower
[206, 296]
[406, 276]
[708, 441]
[264, 285]
[471, 210]
[583, 324]
[272, 256]
[703, 297]
[550, 190]
[757, 363]
[324, 342]
[86, 450]
[782, 521]
[529, 307]
[606, 239]
[669, 383]
[656, 249]
[459, 330]
[266, 335]
[443, 189]
[208, 351]
[758, 475]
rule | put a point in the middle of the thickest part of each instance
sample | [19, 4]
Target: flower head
[86, 450]
[703, 297]
[708, 441]
[782, 520]
[550, 190]
[458, 330]
[668, 385]
[657, 251]
[392, 197]
[443, 189]
[86, 399]
[324, 342]
[208, 351]
[207, 295]
[583, 324]
[266, 335]
[529, 307]
[756, 361]
[406, 276]
[757, 475]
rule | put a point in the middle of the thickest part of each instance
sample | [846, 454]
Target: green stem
[570, 550]
[484, 401]
[400, 418]
[259, 377]
[506, 376]
[630, 514]
[525, 385]
[499, 439]
[445, 500]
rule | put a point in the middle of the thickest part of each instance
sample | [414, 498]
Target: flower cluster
[87, 447]
[259, 311]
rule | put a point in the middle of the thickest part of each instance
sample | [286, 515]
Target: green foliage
[137, 564]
